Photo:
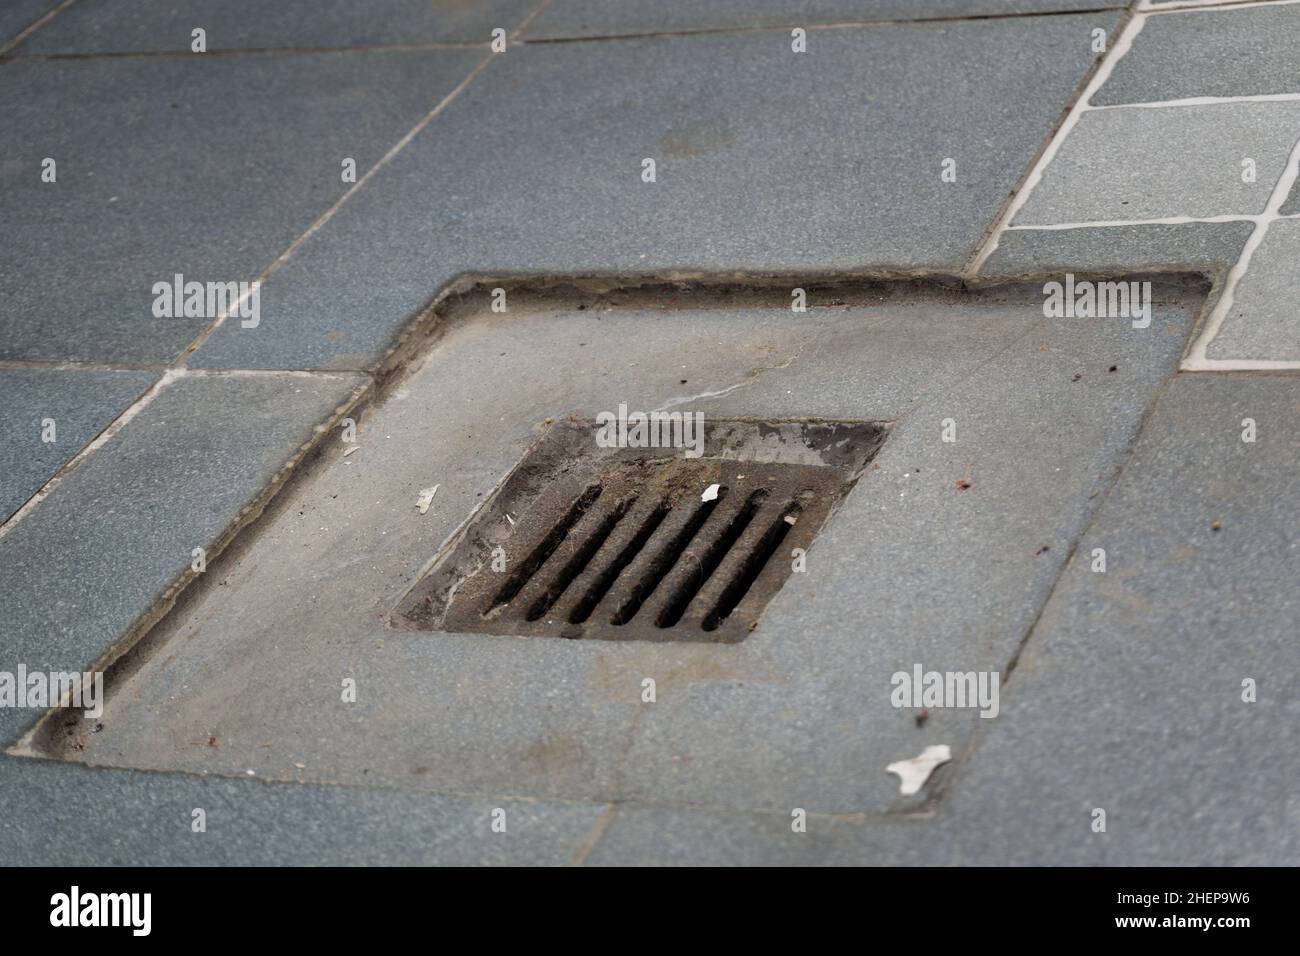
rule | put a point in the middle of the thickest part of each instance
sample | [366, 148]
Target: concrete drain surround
[288, 657]
[646, 544]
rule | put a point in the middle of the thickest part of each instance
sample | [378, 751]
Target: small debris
[1076, 376]
[1216, 526]
[426, 498]
[913, 773]
[1113, 368]
[710, 493]
[923, 716]
[510, 519]
[212, 741]
[790, 519]
[1043, 550]
[301, 766]
[962, 484]
[251, 773]
[350, 449]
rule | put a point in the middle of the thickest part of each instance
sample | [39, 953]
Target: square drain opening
[620, 544]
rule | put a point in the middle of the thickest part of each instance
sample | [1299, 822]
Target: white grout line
[1113, 55]
[1100, 223]
[1146, 6]
[1197, 359]
[1201, 101]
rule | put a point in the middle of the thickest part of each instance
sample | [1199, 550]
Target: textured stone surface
[603, 18]
[859, 185]
[111, 26]
[1210, 246]
[17, 15]
[77, 816]
[81, 404]
[1245, 51]
[1263, 322]
[209, 168]
[103, 547]
[1156, 163]
[1128, 695]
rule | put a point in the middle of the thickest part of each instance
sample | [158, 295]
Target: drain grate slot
[600, 587]
[581, 558]
[545, 548]
[752, 567]
[585, 541]
[694, 577]
[666, 561]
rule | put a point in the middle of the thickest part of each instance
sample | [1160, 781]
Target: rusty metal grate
[618, 544]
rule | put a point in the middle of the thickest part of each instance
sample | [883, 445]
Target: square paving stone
[603, 18]
[120, 26]
[1229, 51]
[205, 167]
[1213, 246]
[1124, 164]
[1129, 694]
[109, 540]
[98, 817]
[766, 161]
[79, 403]
[1263, 321]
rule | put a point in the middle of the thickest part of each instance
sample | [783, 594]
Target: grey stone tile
[552, 184]
[603, 18]
[81, 404]
[1129, 694]
[1128, 164]
[1221, 52]
[1292, 204]
[77, 816]
[1212, 246]
[1263, 322]
[120, 26]
[17, 15]
[108, 541]
[206, 167]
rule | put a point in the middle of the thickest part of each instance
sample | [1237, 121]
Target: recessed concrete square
[109, 541]
[1141, 163]
[943, 553]
[606, 18]
[205, 167]
[111, 26]
[536, 169]
[1228, 51]
[49, 416]
[1263, 321]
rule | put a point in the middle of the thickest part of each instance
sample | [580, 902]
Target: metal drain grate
[618, 544]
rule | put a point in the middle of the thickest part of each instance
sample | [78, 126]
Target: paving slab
[1262, 322]
[67, 406]
[1128, 696]
[798, 714]
[1227, 51]
[17, 15]
[859, 187]
[105, 545]
[1126, 164]
[119, 26]
[1213, 247]
[205, 167]
[605, 18]
[1292, 204]
[68, 815]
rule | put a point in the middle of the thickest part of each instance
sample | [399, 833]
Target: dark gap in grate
[581, 558]
[600, 587]
[752, 567]
[676, 606]
[665, 560]
[545, 548]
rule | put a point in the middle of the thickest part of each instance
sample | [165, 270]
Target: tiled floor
[1173, 150]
